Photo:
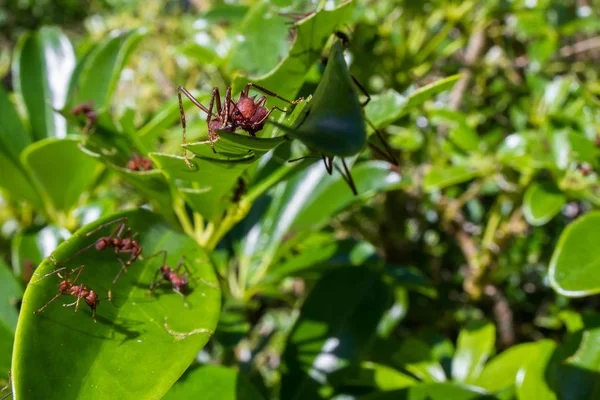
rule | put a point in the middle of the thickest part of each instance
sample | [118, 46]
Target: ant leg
[107, 224]
[226, 105]
[94, 315]
[6, 387]
[388, 154]
[267, 116]
[78, 273]
[156, 279]
[267, 91]
[123, 269]
[348, 177]
[164, 253]
[185, 303]
[362, 89]
[181, 89]
[328, 161]
[51, 273]
[47, 304]
[217, 95]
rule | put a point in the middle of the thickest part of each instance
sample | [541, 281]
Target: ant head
[244, 110]
[101, 244]
[64, 286]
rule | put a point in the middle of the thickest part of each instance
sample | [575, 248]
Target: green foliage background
[469, 270]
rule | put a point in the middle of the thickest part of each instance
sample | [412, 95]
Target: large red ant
[122, 243]
[178, 281]
[247, 113]
[68, 288]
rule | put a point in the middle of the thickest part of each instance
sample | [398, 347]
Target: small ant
[164, 272]
[68, 288]
[86, 109]
[122, 243]
[139, 163]
[247, 113]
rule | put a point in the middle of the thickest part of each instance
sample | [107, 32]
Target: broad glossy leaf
[42, 67]
[71, 172]
[235, 146]
[575, 265]
[440, 177]
[208, 187]
[501, 372]
[474, 346]
[369, 374]
[261, 41]
[532, 380]
[542, 201]
[102, 69]
[433, 391]
[332, 123]
[13, 136]
[288, 76]
[141, 343]
[16, 182]
[10, 293]
[213, 382]
[325, 339]
[421, 95]
[29, 249]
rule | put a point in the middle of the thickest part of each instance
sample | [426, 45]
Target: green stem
[179, 208]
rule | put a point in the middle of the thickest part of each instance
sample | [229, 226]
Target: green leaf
[42, 66]
[13, 136]
[288, 76]
[421, 95]
[213, 382]
[325, 339]
[474, 346]
[29, 249]
[373, 375]
[569, 146]
[71, 172]
[542, 201]
[261, 41]
[432, 391]
[208, 187]
[440, 177]
[17, 184]
[532, 382]
[524, 151]
[128, 353]
[418, 358]
[332, 123]
[102, 69]
[501, 372]
[575, 265]
[10, 293]
[6, 346]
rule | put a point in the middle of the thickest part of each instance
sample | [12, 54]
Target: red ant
[139, 163]
[121, 243]
[86, 109]
[247, 113]
[164, 272]
[68, 288]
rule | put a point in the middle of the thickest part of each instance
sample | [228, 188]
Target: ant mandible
[178, 281]
[68, 288]
[247, 113]
[122, 243]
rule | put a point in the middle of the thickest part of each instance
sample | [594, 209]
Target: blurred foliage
[468, 270]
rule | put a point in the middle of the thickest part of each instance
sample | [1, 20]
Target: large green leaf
[102, 69]
[287, 77]
[10, 293]
[575, 265]
[16, 182]
[501, 372]
[42, 66]
[325, 339]
[213, 382]
[373, 375]
[417, 357]
[440, 177]
[332, 124]
[474, 345]
[261, 41]
[141, 343]
[61, 171]
[532, 382]
[13, 136]
[433, 391]
[542, 201]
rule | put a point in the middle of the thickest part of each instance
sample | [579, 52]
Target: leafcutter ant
[139, 163]
[86, 109]
[119, 239]
[6, 396]
[247, 113]
[178, 281]
[69, 288]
